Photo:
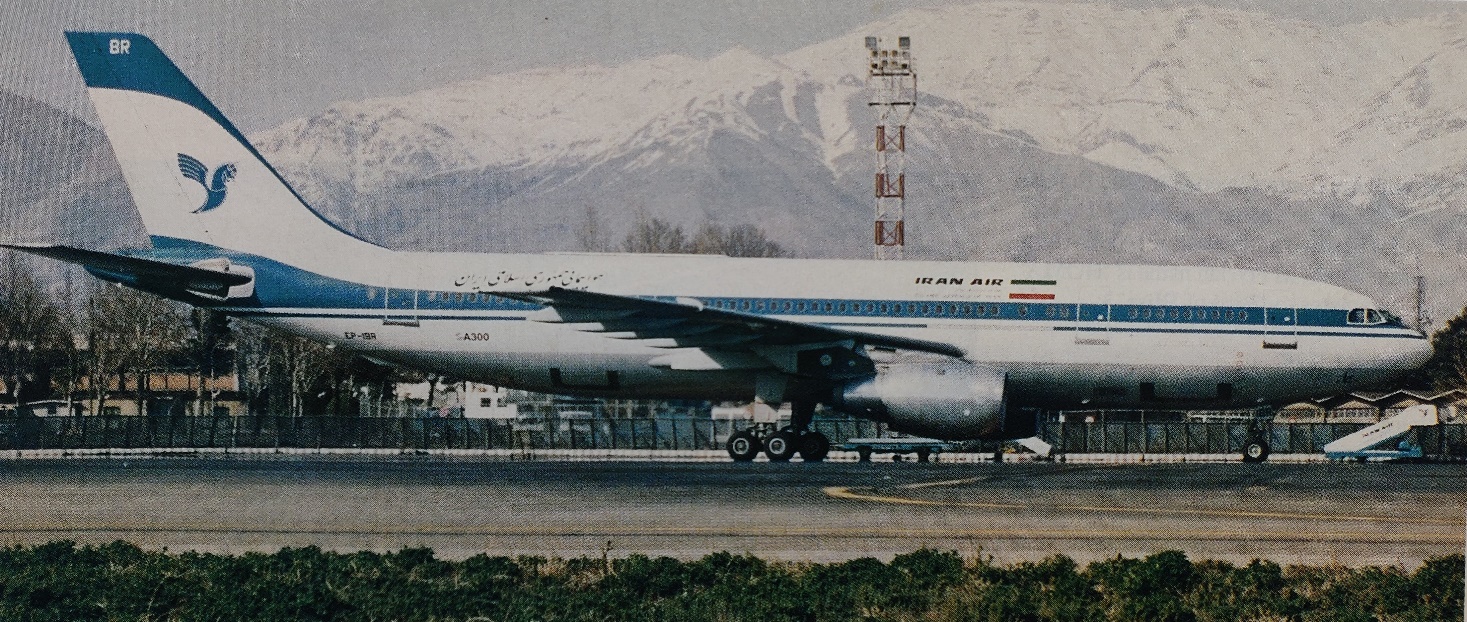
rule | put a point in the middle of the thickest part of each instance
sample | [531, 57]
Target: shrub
[119, 581]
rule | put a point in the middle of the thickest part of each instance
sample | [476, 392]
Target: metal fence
[1193, 437]
[126, 432]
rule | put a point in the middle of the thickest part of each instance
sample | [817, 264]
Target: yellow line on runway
[843, 492]
[748, 532]
[950, 482]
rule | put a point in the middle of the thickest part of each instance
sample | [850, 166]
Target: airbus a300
[942, 349]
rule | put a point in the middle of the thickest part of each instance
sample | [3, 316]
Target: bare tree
[33, 333]
[591, 235]
[134, 332]
[208, 344]
[281, 373]
[654, 235]
[736, 241]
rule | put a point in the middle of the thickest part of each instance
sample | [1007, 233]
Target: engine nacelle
[947, 400]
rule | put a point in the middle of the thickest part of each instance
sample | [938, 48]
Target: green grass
[119, 581]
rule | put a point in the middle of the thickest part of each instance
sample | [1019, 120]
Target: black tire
[1256, 450]
[781, 446]
[863, 453]
[743, 446]
[814, 446]
[924, 454]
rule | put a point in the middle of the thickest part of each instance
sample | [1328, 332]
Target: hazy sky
[266, 62]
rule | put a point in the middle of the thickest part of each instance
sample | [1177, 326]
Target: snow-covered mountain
[1205, 99]
[1046, 131]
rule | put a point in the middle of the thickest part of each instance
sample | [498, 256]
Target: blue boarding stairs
[1367, 443]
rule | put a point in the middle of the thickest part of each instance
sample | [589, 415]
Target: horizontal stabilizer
[215, 279]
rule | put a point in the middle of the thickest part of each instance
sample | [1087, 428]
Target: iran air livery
[949, 350]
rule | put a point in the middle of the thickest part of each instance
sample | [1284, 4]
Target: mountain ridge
[1044, 132]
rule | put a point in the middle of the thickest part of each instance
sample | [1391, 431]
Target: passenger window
[885, 308]
[1216, 315]
[1023, 310]
[1134, 313]
[1174, 314]
[1187, 314]
[870, 307]
[1242, 315]
[993, 310]
[371, 293]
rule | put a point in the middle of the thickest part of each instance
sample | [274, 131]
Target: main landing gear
[781, 445]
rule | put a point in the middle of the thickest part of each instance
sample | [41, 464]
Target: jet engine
[950, 400]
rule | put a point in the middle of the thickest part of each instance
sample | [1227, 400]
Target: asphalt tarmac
[1353, 514]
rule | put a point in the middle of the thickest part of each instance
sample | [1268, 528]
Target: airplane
[950, 350]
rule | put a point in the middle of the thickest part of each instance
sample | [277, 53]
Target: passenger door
[400, 307]
[1093, 325]
[1282, 329]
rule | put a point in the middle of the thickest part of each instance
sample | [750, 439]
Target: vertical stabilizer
[193, 176]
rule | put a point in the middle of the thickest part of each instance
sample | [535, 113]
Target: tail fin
[194, 177]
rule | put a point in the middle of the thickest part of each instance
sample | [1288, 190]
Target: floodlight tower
[892, 82]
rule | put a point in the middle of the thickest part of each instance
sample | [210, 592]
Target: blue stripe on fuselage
[279, 286]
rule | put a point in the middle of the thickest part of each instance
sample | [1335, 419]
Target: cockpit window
[1368, 317]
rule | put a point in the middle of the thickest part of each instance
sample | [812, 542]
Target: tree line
[59, 345]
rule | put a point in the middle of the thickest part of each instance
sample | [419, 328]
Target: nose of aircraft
[1413, 353]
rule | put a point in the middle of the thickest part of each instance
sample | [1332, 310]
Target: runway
[1355, 514]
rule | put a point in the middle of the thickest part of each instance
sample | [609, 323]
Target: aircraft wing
[209, 280]
[688, 323]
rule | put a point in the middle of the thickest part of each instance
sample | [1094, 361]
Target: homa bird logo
[215, 188]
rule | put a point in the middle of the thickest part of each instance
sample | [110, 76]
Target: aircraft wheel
[1255, 451]
[924, 454]
[863, 453]
[781, 446]
[743, 446]
[814, 446]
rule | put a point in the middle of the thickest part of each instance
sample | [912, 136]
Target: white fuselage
[1067, 335]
